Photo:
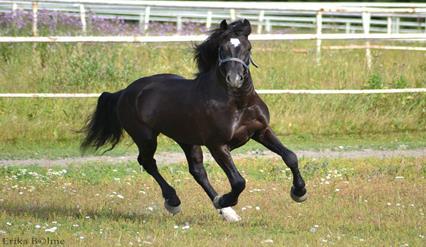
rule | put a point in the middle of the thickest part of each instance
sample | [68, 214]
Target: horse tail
[103, 126]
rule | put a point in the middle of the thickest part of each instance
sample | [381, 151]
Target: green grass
[48, 127]
[100, 67]
[52, 149]
[361, 202]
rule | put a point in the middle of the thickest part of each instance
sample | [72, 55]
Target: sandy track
[175, 157]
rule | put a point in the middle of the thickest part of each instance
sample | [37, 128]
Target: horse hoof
[173, 210]
[297, 198]
[216, 202]
[229, 214]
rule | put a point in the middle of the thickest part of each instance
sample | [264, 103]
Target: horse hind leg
[146, 140]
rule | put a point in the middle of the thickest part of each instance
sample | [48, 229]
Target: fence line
[380, 47]
[327, 7]
[195, 38]
[345, 16]
[260, 91]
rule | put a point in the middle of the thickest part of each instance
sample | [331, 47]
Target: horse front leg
[194, 155]
[222, 156]
[267, 138]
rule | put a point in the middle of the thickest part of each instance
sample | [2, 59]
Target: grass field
[48, 127]
[100, 67]
[360, 202]
[352, 202]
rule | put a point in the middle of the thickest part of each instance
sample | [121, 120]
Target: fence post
[83, 18]
[178, 24]
[146, 18]
[35, 10]
[141, 22]
[319, 32]
[397, 25]
[14, 8]
[268, 26]
[389, 25]
[232, 14]
[366, 17]
[348, 27]
[209, 19]
[260, 21]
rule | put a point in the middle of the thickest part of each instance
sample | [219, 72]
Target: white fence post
[319, 32]
[366, 17]
[389, 28]
[268, 26]
[260, 21]
[35, 10]
[178, 24]
[209, 19]
[146, 18]
[232, 14]
[348, 27]
[83, 18]
[14, 8]
[141, 22]
[397, 25]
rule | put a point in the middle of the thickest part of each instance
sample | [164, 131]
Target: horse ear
[246, 22]
[246, 27]
[224, 25]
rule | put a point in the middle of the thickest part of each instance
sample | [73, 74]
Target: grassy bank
[351, 203]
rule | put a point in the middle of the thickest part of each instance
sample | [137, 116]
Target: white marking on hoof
[235, 42]
[171, 209]
[298, 198]
[229, 214]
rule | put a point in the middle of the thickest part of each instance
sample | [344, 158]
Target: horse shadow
[49, 211]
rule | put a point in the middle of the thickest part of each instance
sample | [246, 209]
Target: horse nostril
[234, 79]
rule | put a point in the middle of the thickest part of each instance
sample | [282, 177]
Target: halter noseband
[235, 59]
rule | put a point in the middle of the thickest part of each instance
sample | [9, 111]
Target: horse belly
[181, 126]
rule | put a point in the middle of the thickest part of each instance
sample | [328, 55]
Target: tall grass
[109, 67]
[300, 118]
[98, 67]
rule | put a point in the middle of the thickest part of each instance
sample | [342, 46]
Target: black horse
[218, 109]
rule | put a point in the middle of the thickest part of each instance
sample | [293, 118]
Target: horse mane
[206, 53]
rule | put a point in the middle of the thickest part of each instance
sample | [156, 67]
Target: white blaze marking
[235, 42]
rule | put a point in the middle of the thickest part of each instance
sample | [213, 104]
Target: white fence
[350, 17]
[389, 21]
[197, 38]
[260, 91]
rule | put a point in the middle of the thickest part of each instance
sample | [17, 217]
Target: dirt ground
[176, 157]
